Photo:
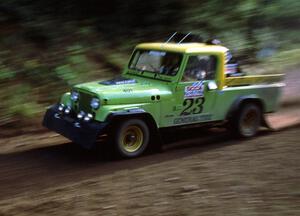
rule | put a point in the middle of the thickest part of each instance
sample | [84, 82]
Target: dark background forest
[47, 46]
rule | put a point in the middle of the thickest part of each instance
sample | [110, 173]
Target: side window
[200, 67]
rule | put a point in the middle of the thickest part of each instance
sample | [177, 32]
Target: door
[195, 94]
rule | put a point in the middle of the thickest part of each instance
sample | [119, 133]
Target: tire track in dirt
[52, 166]
[55, 165]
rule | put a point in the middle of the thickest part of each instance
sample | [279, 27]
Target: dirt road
[207, 176]
[42, 174]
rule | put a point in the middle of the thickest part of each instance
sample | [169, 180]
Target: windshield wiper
[156, 72]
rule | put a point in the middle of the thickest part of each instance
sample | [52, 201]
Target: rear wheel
[248, 120]
[131, 138]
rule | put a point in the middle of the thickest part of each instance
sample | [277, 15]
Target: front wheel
[131, 138]
[248, 120]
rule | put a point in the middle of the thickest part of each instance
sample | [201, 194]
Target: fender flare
[135, 112]
[117, 116]
[236, 105]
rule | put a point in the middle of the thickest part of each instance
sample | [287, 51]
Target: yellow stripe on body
[251, 80]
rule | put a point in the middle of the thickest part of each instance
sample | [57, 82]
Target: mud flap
[83, 133]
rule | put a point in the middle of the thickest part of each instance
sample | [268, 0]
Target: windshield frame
[156, 73]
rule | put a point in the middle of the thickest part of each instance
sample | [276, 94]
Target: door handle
[178, 107]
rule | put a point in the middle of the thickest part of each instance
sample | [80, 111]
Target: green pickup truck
[165, 85]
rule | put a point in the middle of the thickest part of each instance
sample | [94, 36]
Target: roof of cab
[183, 47]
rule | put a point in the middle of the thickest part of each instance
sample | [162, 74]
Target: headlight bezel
[75, 96]
[95, 103]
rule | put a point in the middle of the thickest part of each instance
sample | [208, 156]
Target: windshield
[166, 63]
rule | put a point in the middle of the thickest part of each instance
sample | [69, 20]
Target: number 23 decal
[193, 106]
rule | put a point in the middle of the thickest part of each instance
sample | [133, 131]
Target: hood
[125, 90]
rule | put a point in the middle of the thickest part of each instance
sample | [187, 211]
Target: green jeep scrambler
[165, 85]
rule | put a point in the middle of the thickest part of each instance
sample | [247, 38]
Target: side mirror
[211, 85]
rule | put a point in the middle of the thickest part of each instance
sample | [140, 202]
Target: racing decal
[195, 90]
[231, 68]
[191, 119]
[157, 53]
[228, 57]
[192, 106]
[127, 90]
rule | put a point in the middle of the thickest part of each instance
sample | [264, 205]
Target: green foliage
[65, 73]
[283, 60]
[18, 103]
[6, 73]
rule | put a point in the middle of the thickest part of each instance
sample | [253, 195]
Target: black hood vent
[118, 81]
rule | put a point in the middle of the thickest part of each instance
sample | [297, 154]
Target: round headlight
[74, 96]
[95, 103]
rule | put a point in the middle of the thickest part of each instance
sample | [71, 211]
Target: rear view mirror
[212, 85]
[201, 75]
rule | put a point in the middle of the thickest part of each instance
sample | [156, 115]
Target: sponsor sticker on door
[195, 90]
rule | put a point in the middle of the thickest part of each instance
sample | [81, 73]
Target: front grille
[84, 102]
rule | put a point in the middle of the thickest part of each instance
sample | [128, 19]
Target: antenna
[184, 37]
[170, 38]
